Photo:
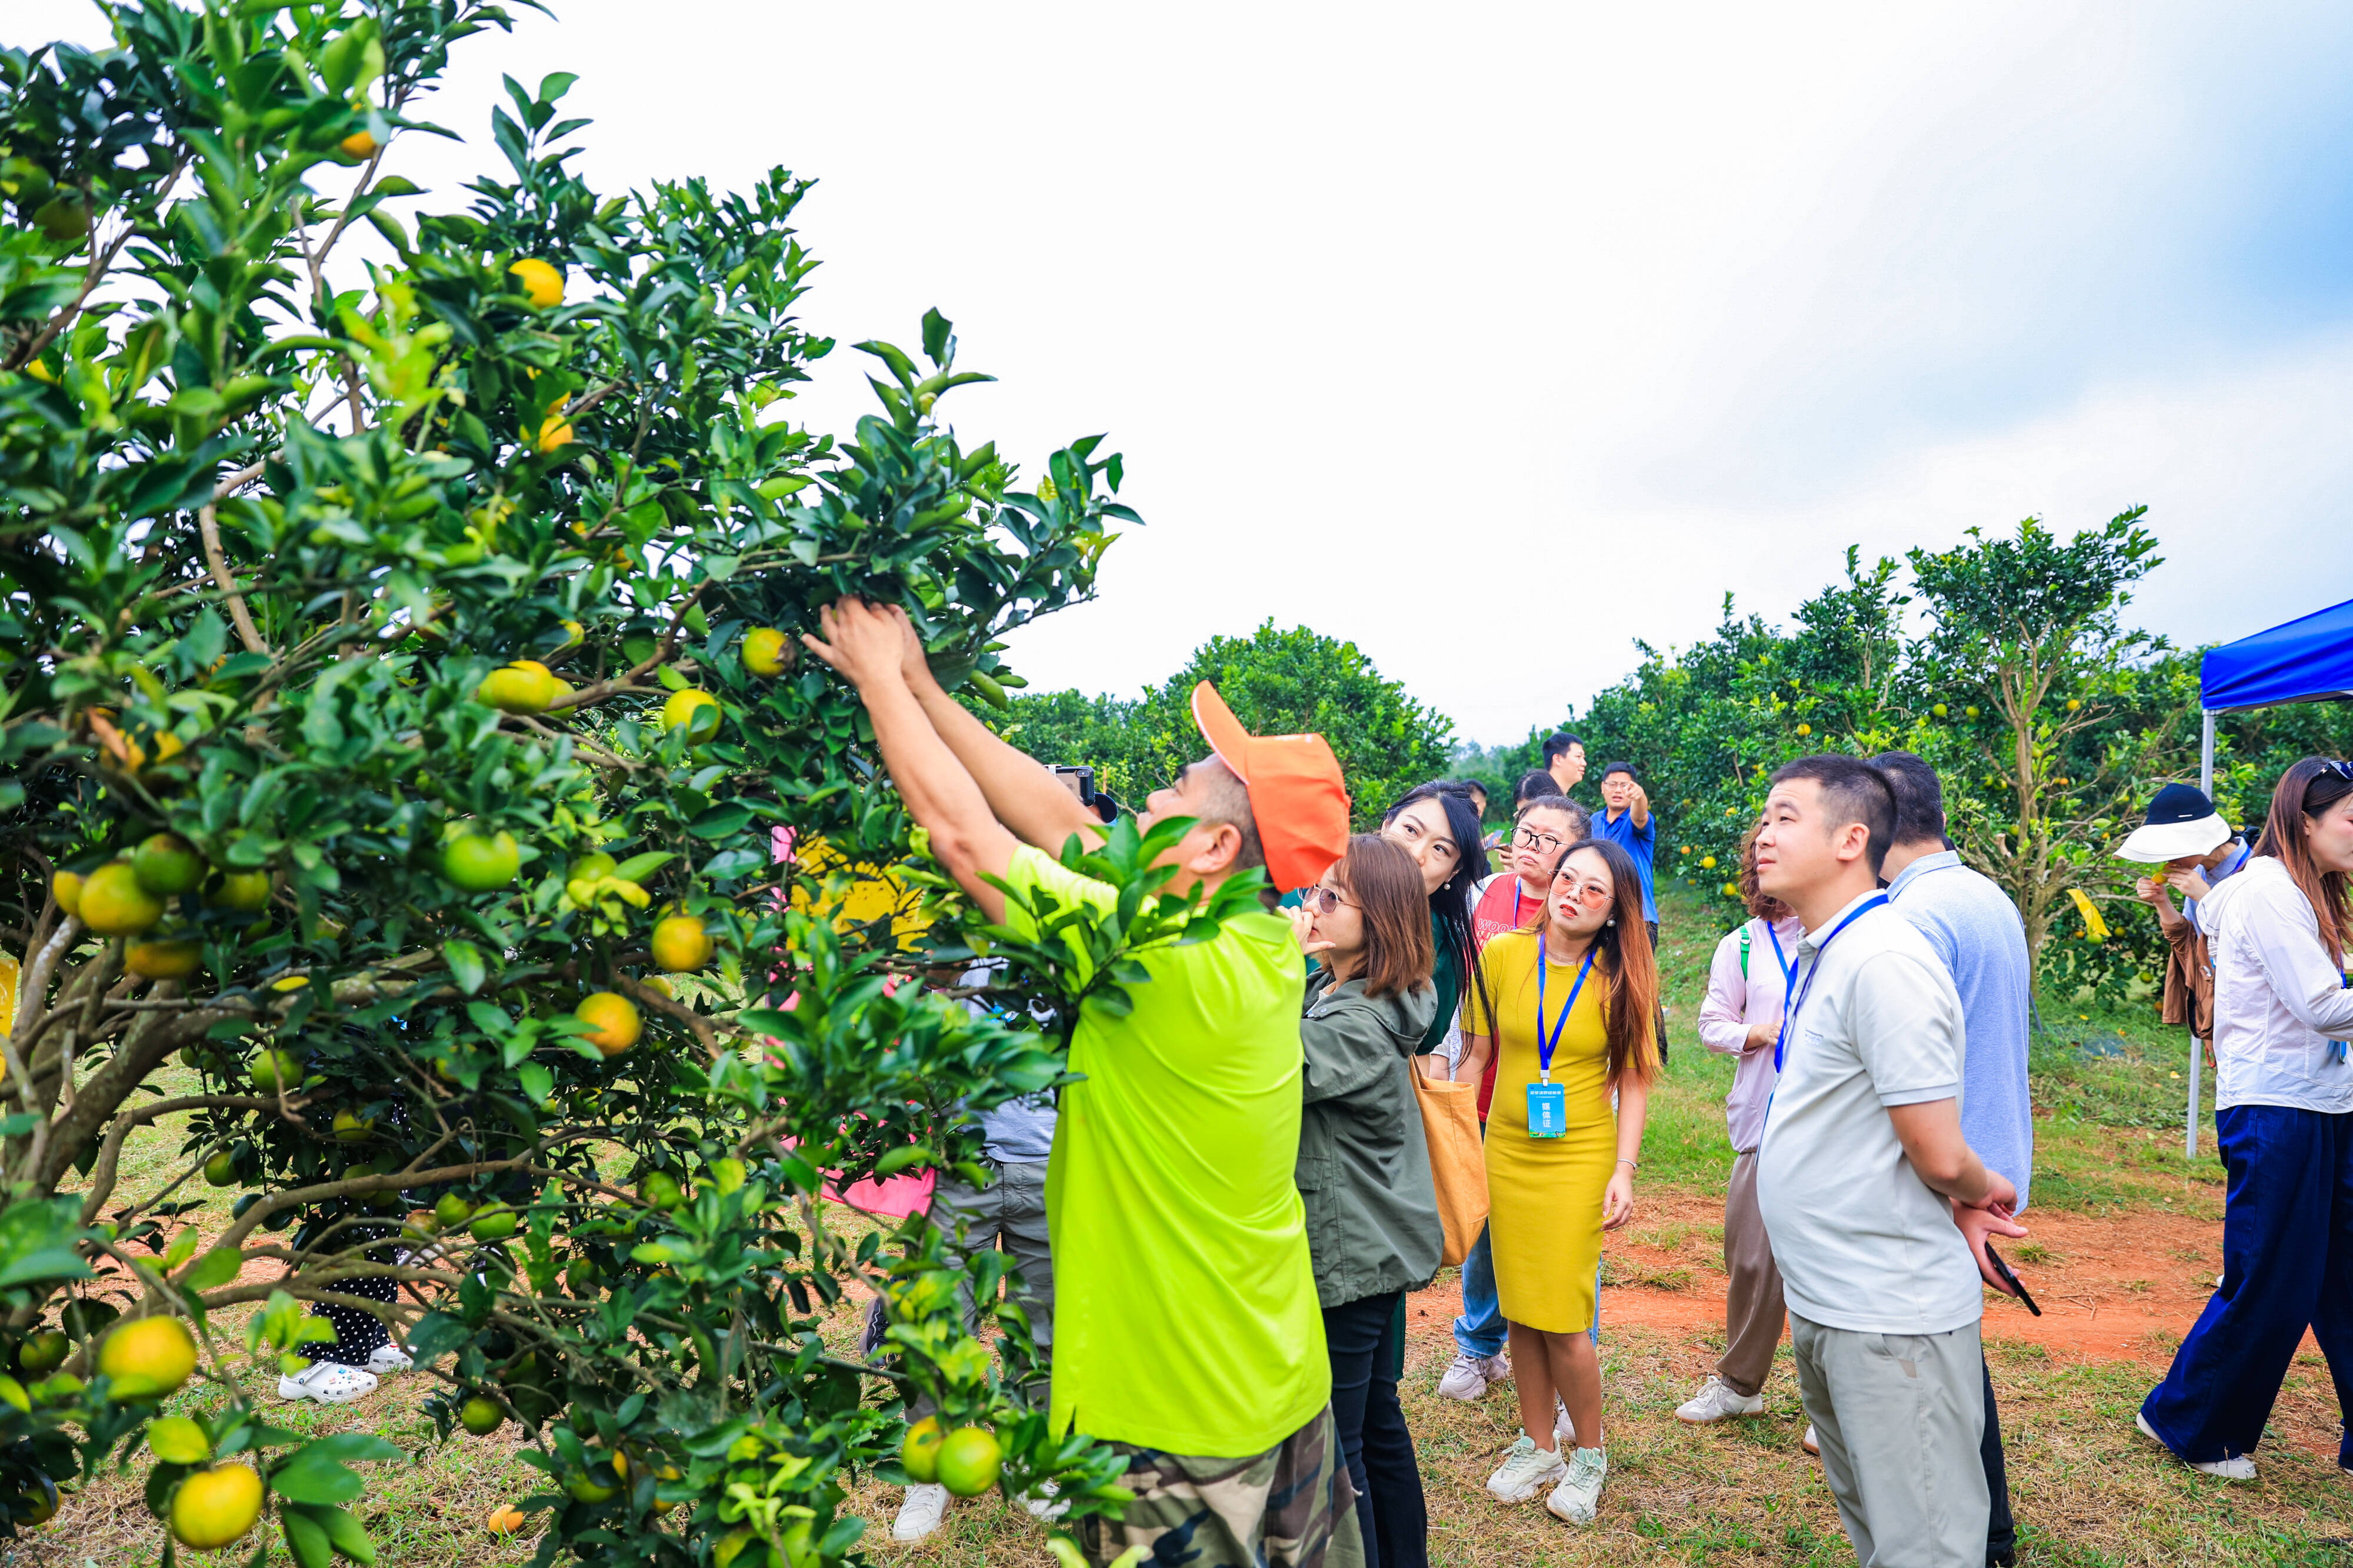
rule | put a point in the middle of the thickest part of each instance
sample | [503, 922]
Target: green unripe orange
[481, 1417]
[698, 711]
[970, 1461]
[43, 1352]
[246, 892]
[495, 1225]
[167, 866]
[113, 903]
[918, 1455]
[452, 1211]
[221, 1169]
[765, 652]
[480, 862]
[277, 1072]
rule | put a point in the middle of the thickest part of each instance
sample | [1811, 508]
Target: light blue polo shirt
[1975, 929]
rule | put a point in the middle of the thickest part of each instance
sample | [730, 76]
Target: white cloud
[1493, 337]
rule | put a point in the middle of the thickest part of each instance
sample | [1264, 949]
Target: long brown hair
[1760, 903]
[1385, 885]
[2309, 789]
[1622, 949]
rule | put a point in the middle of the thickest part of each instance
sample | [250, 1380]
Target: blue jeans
[1481, 1330]
[2288, 1262]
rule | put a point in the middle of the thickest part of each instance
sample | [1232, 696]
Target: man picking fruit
[1187, 1332]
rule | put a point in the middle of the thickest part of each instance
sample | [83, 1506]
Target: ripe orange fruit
[697, 711]
[167, 865]
[147, 1358]
[480, 862]
[542, 284]
[172, 958]
[765, 651]
[525, 686]
[969, 1461]
[918, 1455]
[214, 1508]
[114, 904]
[616, 1019]
[681, 943]
[66, 887]
[358, 144]
[554, 431]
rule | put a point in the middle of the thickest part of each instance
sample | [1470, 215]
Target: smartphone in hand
[2009, 1279]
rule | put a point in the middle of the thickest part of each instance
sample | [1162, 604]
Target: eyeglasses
[1592, 895]
[1324, 900]
[1544, 842]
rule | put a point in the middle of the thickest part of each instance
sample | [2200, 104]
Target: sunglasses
[1323, 901]
[2343, 770]
[1592, 895]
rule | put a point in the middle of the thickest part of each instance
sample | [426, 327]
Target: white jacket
[2279, 997]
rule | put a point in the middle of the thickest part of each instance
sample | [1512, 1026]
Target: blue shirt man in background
[1625, 820]
[1974, 929]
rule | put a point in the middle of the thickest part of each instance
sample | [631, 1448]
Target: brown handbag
[1458, 1159]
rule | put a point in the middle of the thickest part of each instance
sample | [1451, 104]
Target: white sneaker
[926, 1505]
[1526, 1471]
[1564, 1430]
[1575, 1498]
[1717, 1401]
[1045, 1505]
[329, 1383]
[1810, 1443]
[1471, 1376]
[388, 1358]
[2238, 1467]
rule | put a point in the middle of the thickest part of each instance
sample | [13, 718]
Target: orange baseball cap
[1297, 796]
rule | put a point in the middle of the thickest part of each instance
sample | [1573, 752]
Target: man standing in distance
[1626, 821]
[1974, 929]
[1188, 1332]
[1862, 1162]
[1563, 759]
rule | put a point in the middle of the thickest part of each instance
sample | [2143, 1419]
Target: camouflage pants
[1290, 1507]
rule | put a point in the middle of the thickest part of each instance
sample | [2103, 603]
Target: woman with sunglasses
[1544, 826]
[1436, 826]
[2277, 933]
[1373, 1229]
[1574, 992]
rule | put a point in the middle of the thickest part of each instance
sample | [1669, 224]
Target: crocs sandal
[329, 1383]
[388, 1358]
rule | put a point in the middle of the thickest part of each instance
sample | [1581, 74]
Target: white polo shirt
[1862, 1242]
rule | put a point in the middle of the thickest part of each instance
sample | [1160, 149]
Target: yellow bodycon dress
[1544, 1194]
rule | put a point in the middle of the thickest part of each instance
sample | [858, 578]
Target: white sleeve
[1906, 1025]
[2284, 936]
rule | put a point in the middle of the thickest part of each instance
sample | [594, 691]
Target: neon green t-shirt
[1184, 1314]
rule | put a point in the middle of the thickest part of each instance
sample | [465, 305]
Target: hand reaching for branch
[866, 643]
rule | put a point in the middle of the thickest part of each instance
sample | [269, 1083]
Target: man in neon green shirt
[1187, 1329]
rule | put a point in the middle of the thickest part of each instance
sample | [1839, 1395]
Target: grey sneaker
[1471, 1376]
[1525, 1471]
[926, 1505]
[1577, 1497]
[2237, 1468]
[1717, 1401]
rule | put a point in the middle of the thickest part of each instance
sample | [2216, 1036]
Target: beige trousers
[1752, 1314]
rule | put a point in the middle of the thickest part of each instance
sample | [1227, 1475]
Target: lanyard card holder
[1547, 1110]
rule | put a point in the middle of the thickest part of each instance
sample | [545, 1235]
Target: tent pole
[2205, 788]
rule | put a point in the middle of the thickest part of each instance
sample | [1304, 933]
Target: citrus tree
[409, 781]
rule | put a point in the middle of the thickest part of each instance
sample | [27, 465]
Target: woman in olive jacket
[1364, 1167]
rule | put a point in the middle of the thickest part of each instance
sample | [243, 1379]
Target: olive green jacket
[1364, 1163]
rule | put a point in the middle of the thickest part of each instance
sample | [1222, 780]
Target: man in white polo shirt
[1863, 1150]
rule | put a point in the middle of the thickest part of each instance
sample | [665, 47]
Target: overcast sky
[1496, 337]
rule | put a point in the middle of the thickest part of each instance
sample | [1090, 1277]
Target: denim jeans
[1481, 1330]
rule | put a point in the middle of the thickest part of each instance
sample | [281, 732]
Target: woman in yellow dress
[1573, 994]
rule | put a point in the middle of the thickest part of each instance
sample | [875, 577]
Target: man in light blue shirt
[1974, 928]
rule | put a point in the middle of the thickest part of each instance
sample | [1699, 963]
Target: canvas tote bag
[1458, 1160]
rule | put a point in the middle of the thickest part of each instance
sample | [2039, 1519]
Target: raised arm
[864, 644]
[1022, 792]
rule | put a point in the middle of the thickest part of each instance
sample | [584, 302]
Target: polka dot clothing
[358, 1334]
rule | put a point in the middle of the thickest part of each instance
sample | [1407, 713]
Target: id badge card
[1547, 1110]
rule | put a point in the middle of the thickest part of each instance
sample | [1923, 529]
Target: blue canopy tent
[2308, 659]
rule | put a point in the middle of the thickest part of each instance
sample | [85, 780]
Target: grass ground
[2087, 1490]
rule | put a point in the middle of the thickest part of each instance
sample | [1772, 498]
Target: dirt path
[2121, 1288]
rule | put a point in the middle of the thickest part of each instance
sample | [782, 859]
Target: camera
[1081, 781]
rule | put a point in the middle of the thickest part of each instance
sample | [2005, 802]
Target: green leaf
[218, 1267]
[537, 1081]
[310, 1475]
[638, 867]
[466, 966]
[307, 1542]
[898, 1160]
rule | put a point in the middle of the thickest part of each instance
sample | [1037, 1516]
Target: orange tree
[398, 676]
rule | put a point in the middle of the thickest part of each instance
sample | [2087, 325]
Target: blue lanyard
[1788, 966]
[1544, 1047]
[1781, 1041]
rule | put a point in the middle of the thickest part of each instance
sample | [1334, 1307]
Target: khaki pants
[1900, 1417]
[1752, 1314]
